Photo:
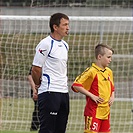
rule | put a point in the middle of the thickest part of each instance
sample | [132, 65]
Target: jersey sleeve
[82, 80]
[112, 82]
[111, 79]
[41, 54]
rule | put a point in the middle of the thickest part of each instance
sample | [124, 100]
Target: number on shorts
[95, 126]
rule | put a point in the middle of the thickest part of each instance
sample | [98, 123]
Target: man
[34, 96]
[49, 73]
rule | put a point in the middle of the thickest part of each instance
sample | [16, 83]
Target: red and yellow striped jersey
[100, 83]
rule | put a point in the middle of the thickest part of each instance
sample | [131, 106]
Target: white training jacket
[52, 56]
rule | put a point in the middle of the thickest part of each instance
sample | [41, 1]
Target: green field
[16, 132]
[17, 117]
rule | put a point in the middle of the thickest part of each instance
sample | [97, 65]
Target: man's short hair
[55, 20]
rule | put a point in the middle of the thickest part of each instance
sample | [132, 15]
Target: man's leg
[49, 104]
[63, 113]
[35, 118]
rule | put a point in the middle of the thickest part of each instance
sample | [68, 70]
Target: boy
[97, 84]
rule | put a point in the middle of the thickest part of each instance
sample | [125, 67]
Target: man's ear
[55, 27]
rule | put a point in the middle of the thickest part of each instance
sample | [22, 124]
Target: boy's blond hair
[100, 49]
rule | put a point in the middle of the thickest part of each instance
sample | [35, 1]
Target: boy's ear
[99, 56]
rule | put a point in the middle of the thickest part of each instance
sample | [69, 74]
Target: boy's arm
[111, 101]
[87, 93]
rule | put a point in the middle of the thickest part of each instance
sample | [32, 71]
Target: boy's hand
[97, 99]
[111, 101]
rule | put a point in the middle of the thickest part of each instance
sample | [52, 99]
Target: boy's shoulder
[109, 69]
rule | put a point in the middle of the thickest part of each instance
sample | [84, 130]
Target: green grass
[28, 132]
[16, 116]
[16, 132]
[25, 132]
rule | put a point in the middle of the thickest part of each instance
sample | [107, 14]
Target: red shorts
[96, 125]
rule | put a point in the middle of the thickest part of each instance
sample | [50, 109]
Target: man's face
[63, 28]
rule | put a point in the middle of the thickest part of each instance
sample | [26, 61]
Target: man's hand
[35, 93]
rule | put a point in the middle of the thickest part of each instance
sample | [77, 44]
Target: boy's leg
[105, 126]
[92, 125]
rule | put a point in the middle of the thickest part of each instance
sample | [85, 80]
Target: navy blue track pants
[54, 111]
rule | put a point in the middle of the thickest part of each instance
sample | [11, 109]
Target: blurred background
[23, 23]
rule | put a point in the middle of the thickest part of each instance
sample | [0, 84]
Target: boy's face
[106, 58]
